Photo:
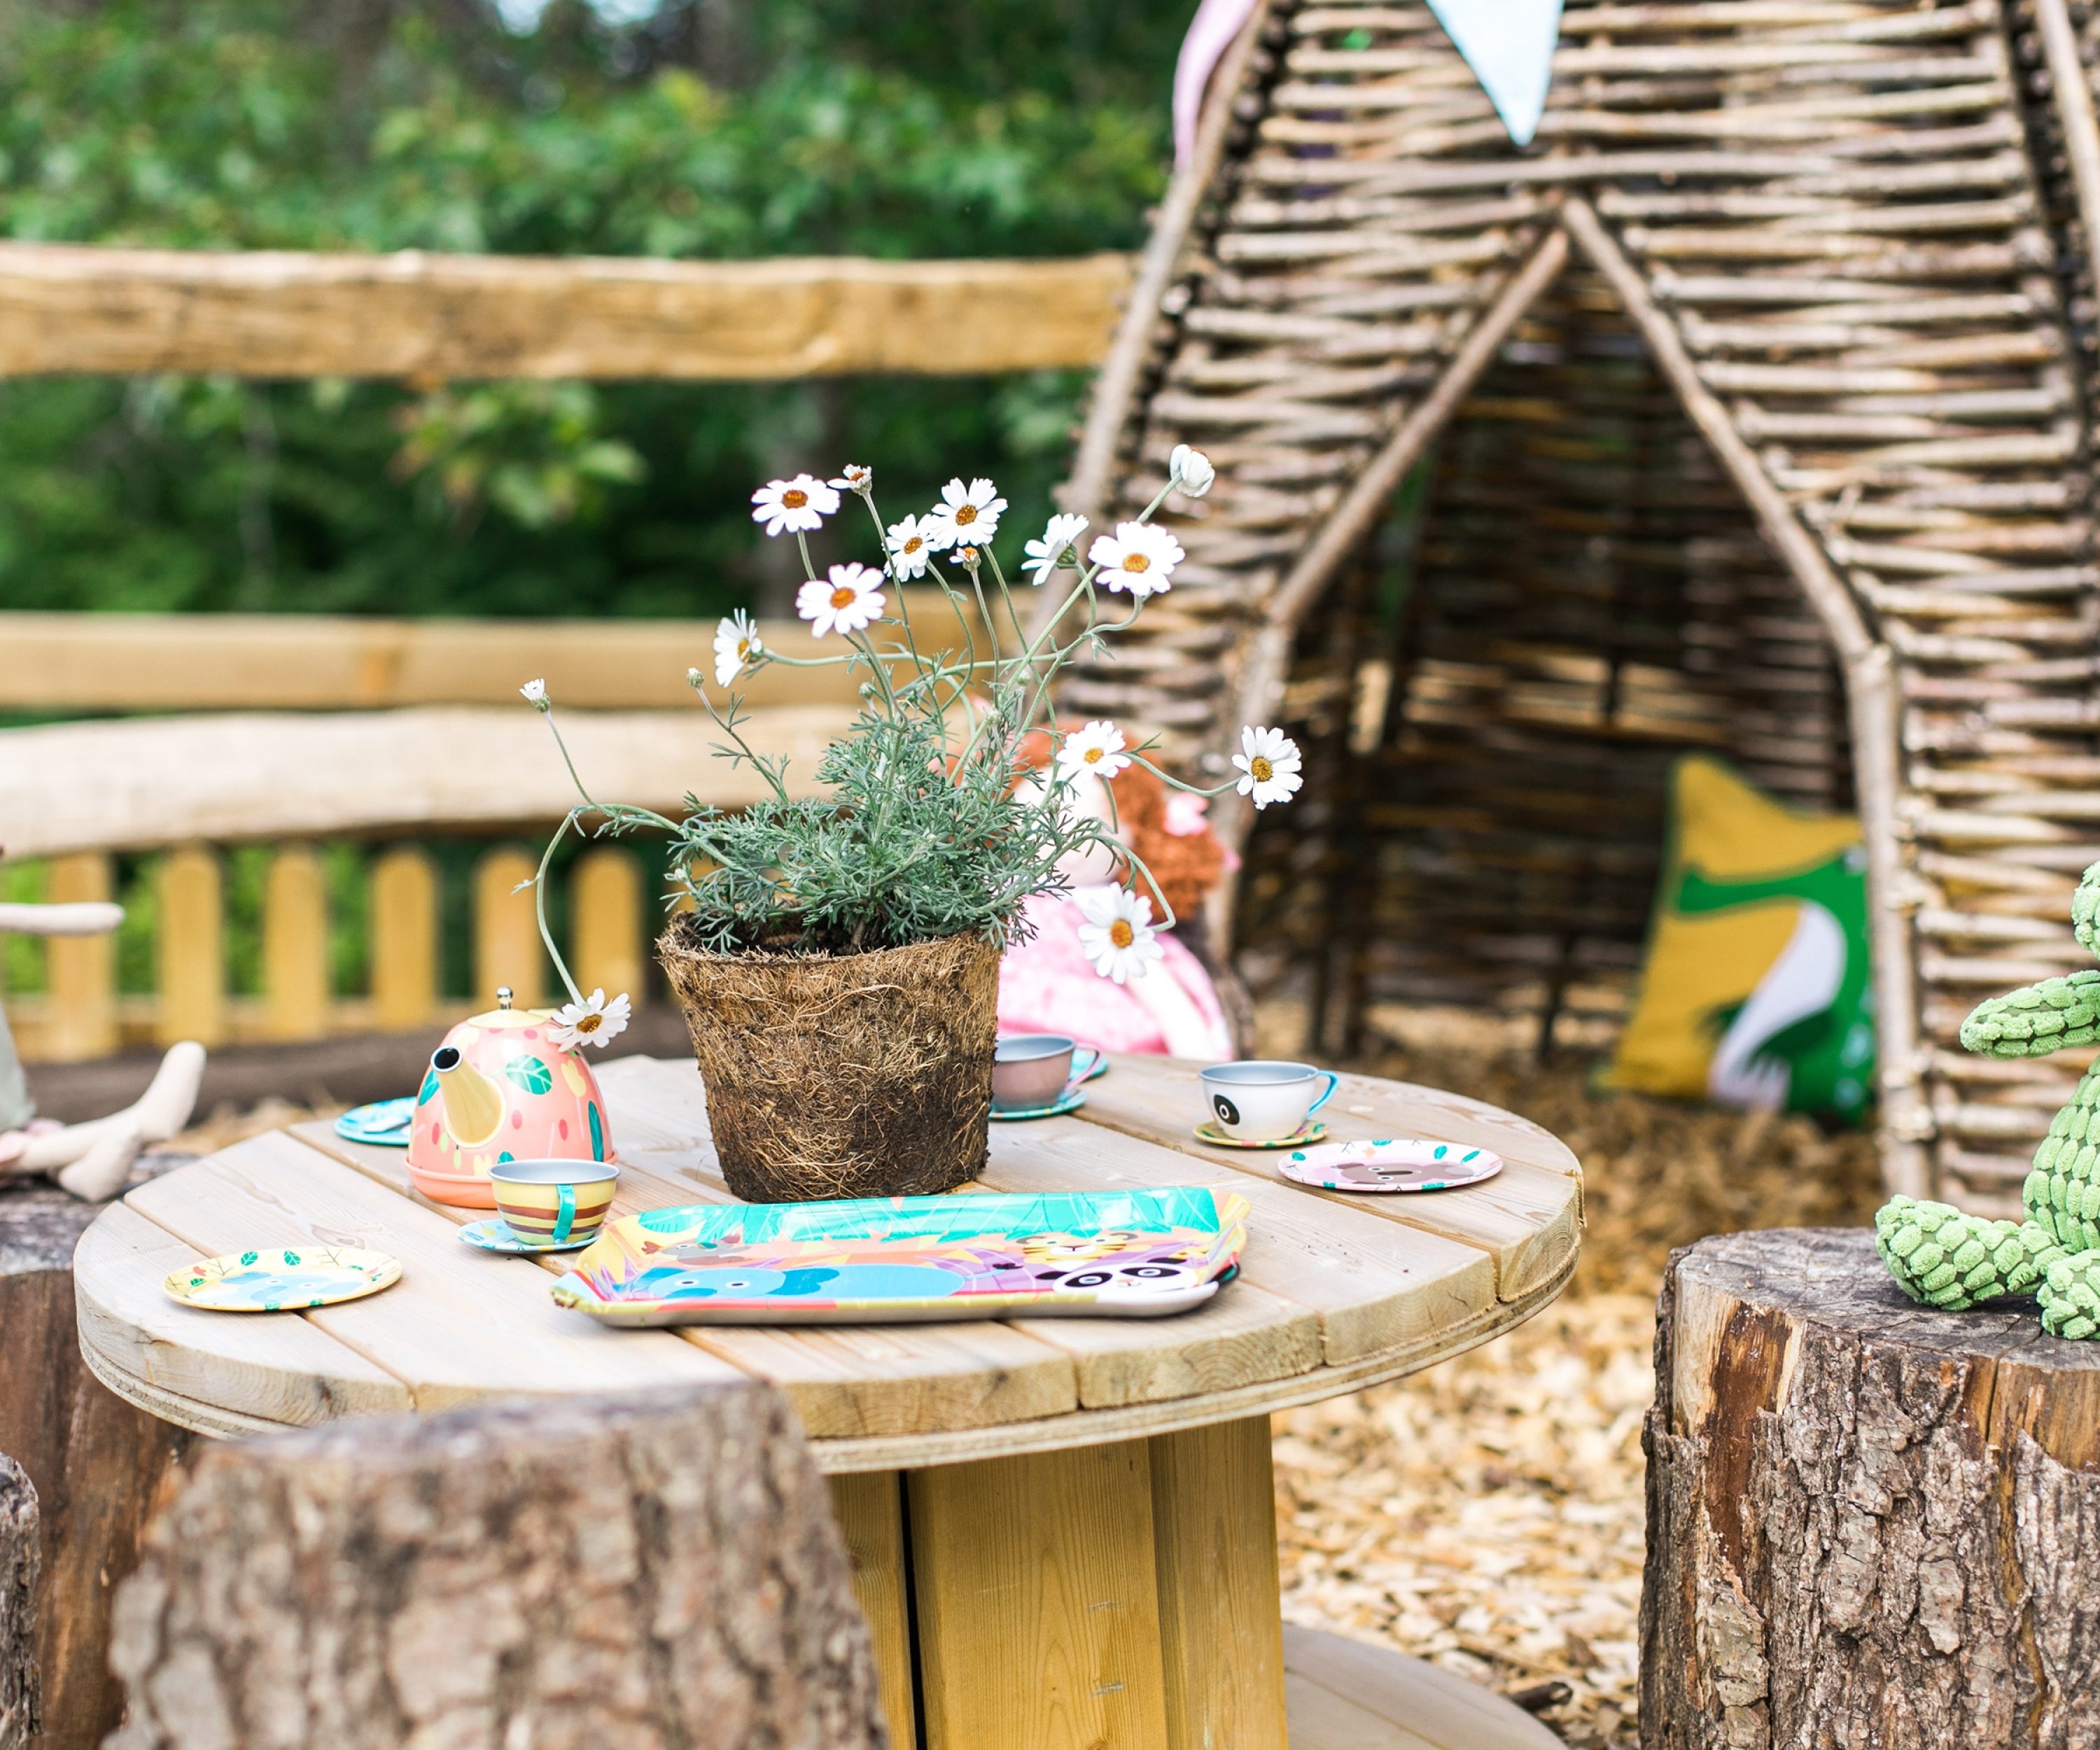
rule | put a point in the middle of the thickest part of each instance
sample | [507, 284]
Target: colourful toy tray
[1116, 1254]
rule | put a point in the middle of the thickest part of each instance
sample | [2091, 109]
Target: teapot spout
[473, 1104]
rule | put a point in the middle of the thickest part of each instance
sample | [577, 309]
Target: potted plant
[838, 964]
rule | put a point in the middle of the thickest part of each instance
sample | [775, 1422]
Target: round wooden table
[1063, 1530]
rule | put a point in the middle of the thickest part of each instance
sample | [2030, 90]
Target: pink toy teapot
[501, 1088]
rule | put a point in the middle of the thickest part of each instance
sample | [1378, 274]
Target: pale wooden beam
[441, 318]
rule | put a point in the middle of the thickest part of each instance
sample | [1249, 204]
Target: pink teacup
[1033, 1071]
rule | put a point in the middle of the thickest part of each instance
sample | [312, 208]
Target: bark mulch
[1487, 1514]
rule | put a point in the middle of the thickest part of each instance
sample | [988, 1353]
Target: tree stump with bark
[19, 1561]
[651, 1573]
[97, 1463]
[1869, 1522]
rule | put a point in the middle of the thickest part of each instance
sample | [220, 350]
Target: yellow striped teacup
[553, 1203]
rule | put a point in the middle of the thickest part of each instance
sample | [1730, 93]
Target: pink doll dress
[1047, 984]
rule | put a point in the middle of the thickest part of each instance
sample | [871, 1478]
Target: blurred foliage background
[693, 128]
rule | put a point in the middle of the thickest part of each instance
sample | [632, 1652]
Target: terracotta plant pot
[863, 1075]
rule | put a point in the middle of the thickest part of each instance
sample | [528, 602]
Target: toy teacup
[552, 1202]
[1263, 1100]
[1033, 1071]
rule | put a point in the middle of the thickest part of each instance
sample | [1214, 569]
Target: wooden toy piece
[93, 1160]
[1941, 1258]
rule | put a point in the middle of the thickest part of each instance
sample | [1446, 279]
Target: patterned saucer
[1405, 1164]
[283, 1281]
[385, 1123]
[1208, 1132]
[496, 1235]
[1070, 1103]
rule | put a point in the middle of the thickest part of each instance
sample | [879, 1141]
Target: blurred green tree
[698, 128]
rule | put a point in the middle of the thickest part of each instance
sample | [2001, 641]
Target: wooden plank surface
[438, 318]
[1214, 1529]
[1526, 1217]
[282, 1370]
[458, 1326]
[324, 662]
[145, 781]
[1039, 1616]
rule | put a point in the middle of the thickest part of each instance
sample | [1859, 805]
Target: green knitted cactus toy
[1942, 1258]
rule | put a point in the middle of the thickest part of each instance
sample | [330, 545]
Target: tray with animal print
[883, 1260]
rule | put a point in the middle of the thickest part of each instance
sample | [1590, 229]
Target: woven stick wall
[1850, 235]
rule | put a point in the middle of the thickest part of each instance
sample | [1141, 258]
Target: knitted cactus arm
[2035, 1019]
[2070, 1296]
[2062, 1192]
[1942, 1258]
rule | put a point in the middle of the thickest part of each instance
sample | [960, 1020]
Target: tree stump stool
[1869, 1523]
[97, 1463]
[19, 1561]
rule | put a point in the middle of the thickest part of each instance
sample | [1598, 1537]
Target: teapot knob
[503, 996]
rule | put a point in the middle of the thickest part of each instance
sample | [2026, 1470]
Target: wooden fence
[410, 731]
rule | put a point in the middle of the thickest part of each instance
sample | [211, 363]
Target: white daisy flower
[965, 513]
[1190, 470]
[1061, 537]
[1270, 764]
[1097, 748]
[848, 602]
[535, 695]
[1117, 937]
[1140, 556]
[799, 505]
[910, 543]
[854, 478]
[593, 1021]
[736, 642]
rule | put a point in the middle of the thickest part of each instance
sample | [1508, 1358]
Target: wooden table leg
[1220, 1617]
[869, 1509]
[1037, 1602]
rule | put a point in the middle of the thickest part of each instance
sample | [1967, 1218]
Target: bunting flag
[1509, 44]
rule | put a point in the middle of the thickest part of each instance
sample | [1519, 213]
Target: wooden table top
[1335, 1291]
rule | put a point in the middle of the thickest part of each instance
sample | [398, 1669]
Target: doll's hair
[1185, 864]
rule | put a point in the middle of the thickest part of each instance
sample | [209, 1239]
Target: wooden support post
[608, 944]
[97, 1464]
[869, 1509]
[190, 947]
[82, 969]
[295, 945]
[403, 910]
[507, 949]
[1038, 1613]
[1220, 1623]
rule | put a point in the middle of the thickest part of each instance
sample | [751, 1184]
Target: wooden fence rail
[444, 318]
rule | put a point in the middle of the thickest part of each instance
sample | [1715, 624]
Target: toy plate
[1404, 1164]
[1070, 1103]
[1208, 1132]
[282, 1280]
[880, 1260]
[499, 1236]
[385, 1123]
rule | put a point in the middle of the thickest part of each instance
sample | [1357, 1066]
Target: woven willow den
[1748, 408]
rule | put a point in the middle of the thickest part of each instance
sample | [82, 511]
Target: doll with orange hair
[1050, 983]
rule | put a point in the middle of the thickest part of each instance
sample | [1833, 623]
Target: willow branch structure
[1750, 409]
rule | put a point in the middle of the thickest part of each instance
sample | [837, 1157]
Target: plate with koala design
[883, 1260]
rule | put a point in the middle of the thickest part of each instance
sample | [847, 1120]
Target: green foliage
[962, 127]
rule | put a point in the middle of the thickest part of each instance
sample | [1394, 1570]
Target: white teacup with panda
[1263, 1100]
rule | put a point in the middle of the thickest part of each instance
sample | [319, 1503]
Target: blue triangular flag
[1509, 45]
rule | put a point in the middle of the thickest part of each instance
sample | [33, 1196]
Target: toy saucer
[499, 1236]
[282, 1280]
[385, 1123]
[1070, 1103]
[1208, 1132]
[1405, 1164]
